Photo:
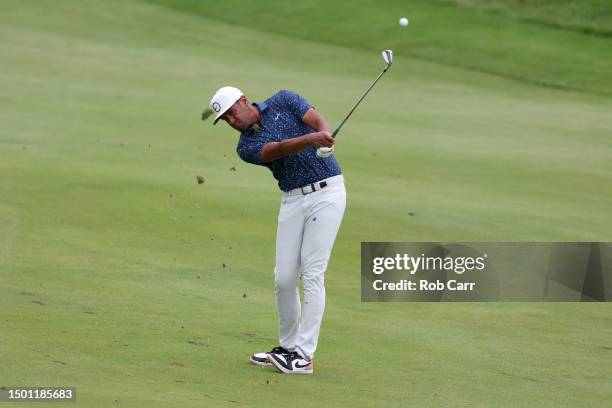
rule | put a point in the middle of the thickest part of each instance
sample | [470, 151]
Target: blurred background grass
[537, 41]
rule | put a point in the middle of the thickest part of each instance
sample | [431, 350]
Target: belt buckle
[311, 185]
[313, 188]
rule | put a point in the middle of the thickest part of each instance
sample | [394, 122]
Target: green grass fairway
[122, 276]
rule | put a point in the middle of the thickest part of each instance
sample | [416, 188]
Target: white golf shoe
[261, 359]
[291, 363]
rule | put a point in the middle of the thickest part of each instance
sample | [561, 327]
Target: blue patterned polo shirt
[281, 118]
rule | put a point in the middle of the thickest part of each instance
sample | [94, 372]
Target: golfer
[288, 136]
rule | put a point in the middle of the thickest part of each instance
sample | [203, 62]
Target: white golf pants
[307, 227]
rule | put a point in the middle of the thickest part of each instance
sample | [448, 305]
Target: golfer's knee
[285, 278]
[314, 284]
[315, 267]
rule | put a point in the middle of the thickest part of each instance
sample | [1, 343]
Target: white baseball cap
[223, 100]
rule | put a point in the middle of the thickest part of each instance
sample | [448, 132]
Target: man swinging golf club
[288, 136]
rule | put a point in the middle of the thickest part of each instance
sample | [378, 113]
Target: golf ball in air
[403, 21]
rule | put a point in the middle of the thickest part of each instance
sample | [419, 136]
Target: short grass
[541, 42]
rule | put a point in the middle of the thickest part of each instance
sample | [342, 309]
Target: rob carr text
[424, 285]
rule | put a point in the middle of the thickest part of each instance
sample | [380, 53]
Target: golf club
[388, 57]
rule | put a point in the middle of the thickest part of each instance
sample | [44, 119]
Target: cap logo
[216, 107]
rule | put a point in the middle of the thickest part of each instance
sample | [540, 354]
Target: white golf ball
[403, 21]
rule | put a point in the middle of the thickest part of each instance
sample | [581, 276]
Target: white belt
[317, 185]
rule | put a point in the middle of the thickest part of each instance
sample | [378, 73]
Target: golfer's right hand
[321, 139]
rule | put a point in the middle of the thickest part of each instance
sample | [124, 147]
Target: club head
[388, 57]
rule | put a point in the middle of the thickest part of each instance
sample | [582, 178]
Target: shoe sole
[283, 370]
[260, 363]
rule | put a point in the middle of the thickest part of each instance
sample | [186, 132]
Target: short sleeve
[249, 148]
[295, 103]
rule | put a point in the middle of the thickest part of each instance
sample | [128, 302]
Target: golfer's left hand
[323, 152]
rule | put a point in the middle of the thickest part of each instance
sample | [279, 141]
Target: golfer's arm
[275, 150]
[316, 121]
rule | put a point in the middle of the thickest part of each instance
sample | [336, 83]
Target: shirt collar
[262, 106]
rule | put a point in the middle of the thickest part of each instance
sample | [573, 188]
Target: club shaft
[359, 101]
